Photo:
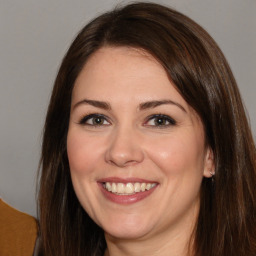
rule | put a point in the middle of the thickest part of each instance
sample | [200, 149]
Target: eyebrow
[143, 106]
[156, 103]
[95, 103]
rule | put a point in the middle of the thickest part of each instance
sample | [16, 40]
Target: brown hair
[226, 223]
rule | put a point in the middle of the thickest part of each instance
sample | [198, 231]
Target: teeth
[129, 188]
[120, 188]
[148, 186]
[113, 189]
[137, 187]
[143, 187]
[108, 186]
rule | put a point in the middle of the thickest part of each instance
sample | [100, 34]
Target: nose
[125, 148]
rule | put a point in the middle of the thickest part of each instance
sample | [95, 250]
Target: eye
[160, 121]
[94, 120]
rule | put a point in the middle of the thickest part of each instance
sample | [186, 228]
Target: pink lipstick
[126, 191]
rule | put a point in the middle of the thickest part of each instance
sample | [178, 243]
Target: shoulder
[18, 231]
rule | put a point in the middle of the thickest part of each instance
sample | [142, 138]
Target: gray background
[35, 34]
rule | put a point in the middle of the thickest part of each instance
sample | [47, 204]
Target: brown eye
[94, 120]
[160, 121]
[97, 121]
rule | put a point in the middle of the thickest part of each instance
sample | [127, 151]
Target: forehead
[127, 62]
[122, 70]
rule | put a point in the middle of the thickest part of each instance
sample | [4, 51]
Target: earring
[212, 177]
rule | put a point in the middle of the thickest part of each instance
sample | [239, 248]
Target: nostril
[123, 163]
[124, 148]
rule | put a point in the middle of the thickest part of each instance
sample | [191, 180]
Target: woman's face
[136, 149]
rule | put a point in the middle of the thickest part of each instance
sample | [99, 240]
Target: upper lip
[125, 180]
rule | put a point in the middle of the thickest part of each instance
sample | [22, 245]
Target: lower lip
[126, 199]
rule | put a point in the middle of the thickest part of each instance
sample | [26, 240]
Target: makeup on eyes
[96, 120]
[155, 120]
[160, 120]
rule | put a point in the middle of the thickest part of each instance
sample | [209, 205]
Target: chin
[127, 234]
[126, 229]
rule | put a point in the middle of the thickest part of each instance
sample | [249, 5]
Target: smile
[126, 191]
[128, 188]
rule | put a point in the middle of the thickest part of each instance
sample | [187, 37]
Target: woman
[146, 148]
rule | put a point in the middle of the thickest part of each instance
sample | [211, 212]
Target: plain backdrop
[34, 36]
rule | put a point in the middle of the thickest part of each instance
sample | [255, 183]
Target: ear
[209, 166]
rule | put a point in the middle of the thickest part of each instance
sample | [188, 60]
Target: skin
[128, 143]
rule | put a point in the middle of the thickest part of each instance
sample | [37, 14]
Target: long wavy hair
[226, 224]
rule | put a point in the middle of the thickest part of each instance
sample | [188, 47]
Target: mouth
[124, 191]
[127, 188]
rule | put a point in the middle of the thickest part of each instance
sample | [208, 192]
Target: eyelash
[85, 119]
[164, 119]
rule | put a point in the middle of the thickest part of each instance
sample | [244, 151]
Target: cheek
[82, 153]
[178, 154]
[82, 158]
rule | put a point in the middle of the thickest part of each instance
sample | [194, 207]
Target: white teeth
[108, 186]
[143, 187]
[128, 188]
[148, 186]
[120, 188]
[113, 189]
[137, 187]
